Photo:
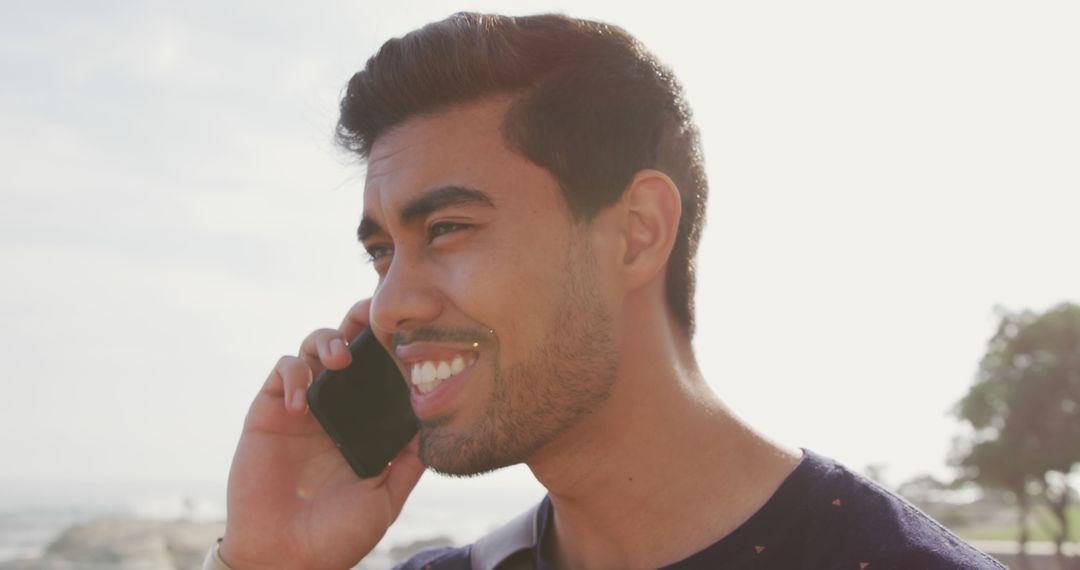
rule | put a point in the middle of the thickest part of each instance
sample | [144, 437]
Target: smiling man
[534, 197]
[475, 247]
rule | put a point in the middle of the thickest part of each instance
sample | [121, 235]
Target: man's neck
[661, 471]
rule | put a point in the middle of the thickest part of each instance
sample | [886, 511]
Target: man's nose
[405, 299]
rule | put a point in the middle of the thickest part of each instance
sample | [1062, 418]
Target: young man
[533, 203]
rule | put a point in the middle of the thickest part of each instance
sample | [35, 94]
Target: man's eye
[377, 252]
[441, 228]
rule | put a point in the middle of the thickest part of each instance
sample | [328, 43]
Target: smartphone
[365, 407]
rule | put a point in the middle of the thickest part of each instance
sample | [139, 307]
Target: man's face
[489, 295]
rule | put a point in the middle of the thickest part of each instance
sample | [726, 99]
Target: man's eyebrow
[439, 198]
[431, 201]
[368, 227]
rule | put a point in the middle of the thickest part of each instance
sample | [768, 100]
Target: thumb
[403, 474]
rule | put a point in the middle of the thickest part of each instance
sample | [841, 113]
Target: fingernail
[297, 402]
[337, 346]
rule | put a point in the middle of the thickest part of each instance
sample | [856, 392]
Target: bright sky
[174, 216]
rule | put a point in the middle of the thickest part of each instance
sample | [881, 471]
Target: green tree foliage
[1024, 411]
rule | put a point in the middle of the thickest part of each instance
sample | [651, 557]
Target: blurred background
[893, 186]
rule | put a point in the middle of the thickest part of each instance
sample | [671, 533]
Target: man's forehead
[457, 146]
[462, 127]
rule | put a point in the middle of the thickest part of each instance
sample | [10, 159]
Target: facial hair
[562, 380]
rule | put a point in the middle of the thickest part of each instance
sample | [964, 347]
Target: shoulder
[441, 558]
[510, 545]
[857, 518]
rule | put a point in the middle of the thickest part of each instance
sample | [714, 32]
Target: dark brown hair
[592, 106]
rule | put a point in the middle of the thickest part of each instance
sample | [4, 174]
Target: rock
[128, 544]
[132, 544]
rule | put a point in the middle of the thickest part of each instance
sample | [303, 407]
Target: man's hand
[293, 501]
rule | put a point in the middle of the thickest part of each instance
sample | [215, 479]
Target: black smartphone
[365, 407]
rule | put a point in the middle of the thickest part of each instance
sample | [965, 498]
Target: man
[533, 203]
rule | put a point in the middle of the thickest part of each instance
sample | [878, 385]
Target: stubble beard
[533, 402]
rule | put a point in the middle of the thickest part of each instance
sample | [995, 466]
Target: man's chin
[461, 472]
[458, 455]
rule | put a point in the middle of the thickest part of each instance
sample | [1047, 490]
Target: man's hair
[591, 106]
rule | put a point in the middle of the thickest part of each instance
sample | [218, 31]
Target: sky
[174, 215]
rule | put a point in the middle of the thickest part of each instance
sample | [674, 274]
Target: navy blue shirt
[822, 517]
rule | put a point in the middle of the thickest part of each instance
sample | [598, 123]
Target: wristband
[213, 559]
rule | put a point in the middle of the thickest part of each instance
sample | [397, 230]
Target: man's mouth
[426, 375]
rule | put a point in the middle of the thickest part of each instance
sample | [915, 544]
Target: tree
[1024, 411]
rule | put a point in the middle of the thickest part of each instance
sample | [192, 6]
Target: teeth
[426, 376]
[427, 373]
[425, 388]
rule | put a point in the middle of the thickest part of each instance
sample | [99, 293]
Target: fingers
[325, 349]
[356, 320]
[321, 350]
[289, 380]
[328, 348]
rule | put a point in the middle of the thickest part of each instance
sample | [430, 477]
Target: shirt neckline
[773, 514]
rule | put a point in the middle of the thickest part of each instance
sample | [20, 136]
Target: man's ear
[652, 208]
